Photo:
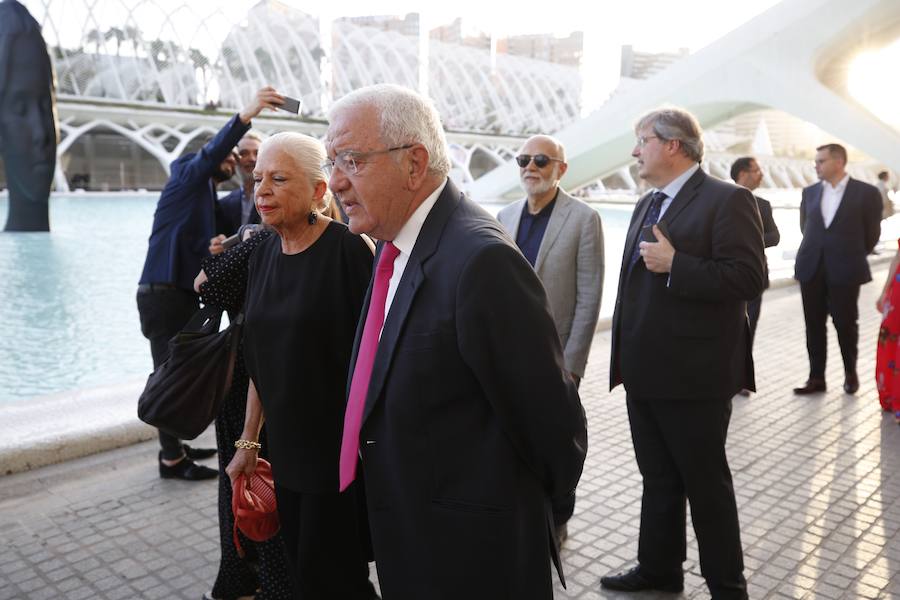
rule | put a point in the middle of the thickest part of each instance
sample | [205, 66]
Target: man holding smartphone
[183, 224]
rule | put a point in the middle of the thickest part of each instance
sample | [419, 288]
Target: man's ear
[417, 163]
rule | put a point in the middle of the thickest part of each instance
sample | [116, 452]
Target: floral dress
[887, 361]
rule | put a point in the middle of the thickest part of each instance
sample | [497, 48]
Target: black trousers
[165, 312]
[680, 451]
[325, 544]
[821, 299]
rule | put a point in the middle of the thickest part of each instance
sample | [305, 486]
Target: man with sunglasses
[562, 238]
[693, 258]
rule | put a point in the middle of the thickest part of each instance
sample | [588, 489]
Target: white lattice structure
[144, 68]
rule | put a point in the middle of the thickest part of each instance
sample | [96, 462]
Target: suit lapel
[515, 219]
[413, 277]
[641, 208]
[557, 219]
[684, 196]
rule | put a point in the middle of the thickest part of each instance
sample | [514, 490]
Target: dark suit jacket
[771, 235]
[470, 424]
[229, 212]
[685, 334]
[184, 220]
[844, 245]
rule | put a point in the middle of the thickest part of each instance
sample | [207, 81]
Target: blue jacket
[184, 220]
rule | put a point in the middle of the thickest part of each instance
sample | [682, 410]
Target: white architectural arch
[793, 58]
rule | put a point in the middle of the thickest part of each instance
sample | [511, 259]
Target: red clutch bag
[253, 504]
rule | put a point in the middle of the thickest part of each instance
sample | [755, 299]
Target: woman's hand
[199, 280]
[244, 461]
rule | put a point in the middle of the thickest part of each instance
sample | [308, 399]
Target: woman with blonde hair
[305, 290]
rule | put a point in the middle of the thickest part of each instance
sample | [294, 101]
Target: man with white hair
[562, 238]
[459, 404]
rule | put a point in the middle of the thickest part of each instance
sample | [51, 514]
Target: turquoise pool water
[68, 318]
[67, 310]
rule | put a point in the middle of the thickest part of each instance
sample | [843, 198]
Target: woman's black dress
[265, 566]
[300, 321]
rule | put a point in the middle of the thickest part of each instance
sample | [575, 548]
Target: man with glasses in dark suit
[681, 347]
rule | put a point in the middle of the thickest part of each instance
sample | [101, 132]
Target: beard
[536, 188]
[220, 175]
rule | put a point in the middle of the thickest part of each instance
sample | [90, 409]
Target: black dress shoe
[186, 469]
[638, 579]
[198, 453]
[812, 386]
[851, 383]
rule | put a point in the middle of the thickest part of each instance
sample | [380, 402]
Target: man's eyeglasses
[642, 140]
[349, 161]
[540, 160]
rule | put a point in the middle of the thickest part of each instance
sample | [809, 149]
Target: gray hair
[254, 134]
[407, 117]
[673, 123]
[308, 154]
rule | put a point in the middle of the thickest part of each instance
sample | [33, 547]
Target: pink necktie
[365, 358]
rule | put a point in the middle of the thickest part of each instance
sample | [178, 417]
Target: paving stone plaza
[817, 480]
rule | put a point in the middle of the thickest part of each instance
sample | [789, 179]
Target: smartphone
[647, 232]
[230, 241]
[291, 105]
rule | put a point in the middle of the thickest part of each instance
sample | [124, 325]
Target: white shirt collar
[406, 238]
[841, 186]
[671, 190]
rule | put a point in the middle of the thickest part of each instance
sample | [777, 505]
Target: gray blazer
[570, 265]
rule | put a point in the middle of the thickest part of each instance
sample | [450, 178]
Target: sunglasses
[540, 160]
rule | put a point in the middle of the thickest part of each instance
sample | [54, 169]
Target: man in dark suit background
[238, 207]
[183, 225]
[745, 172]
[681, 347]
[467, 422]
[840, 218]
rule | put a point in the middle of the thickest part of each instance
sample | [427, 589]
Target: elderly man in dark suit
[840, 218]
[459, 404]
[681, 346]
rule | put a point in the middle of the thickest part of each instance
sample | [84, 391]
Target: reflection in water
[68, 311]
[68, 318]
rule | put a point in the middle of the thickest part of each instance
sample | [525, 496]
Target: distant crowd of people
[412, 375]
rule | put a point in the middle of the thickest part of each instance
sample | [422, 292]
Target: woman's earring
[313, 217]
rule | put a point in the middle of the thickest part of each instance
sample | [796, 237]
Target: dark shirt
[184, 220]
[532, 229]
[301, 313]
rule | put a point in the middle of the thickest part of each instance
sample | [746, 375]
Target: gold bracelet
[247, 445]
